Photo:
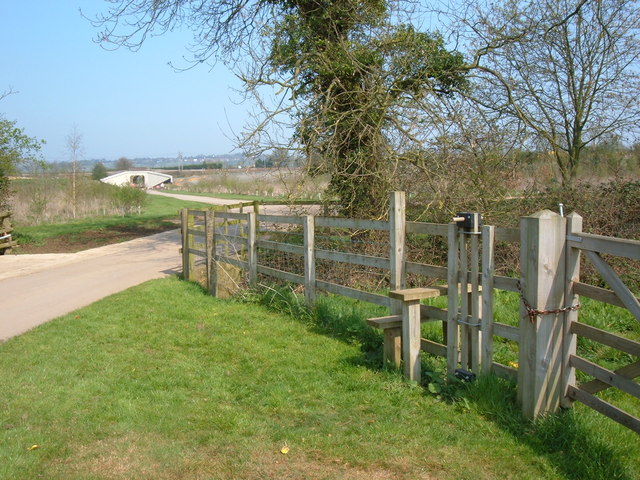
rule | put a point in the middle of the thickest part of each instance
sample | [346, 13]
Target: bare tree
[568, 69]
[74, 147]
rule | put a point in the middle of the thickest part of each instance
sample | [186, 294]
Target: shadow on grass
[571, 445]
[564, 438]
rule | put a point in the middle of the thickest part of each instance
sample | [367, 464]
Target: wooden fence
[6, 241]
[549, 286]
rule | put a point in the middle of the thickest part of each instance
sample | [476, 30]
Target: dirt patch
[92, 238]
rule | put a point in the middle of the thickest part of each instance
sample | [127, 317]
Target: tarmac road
[37, 288]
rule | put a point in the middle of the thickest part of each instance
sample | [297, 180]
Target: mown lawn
[164, 382]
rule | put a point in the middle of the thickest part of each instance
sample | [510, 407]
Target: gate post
[397, 236]
[542, 259]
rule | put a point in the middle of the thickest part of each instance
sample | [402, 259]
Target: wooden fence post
[252, 249]
[453, 264]
[397, 234]
[488, 270]
[212, 264]
[572, 275]
[309, 260]
[542, 259]
[184, 230]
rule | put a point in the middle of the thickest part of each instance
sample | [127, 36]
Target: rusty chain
[532, 313]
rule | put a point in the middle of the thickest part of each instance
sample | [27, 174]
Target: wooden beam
[630, 371]
[615, 341]
[620, 247]
[606, 376]
[622, 291]
[411, 294]
[614, 413]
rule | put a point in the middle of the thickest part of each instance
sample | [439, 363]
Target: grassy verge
[159, 214]
[164, 382]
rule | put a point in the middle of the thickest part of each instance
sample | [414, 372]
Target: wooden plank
[410, 294]
[605, 375]
[197, 232]
[506, 331]
[433, 348]
[505, 283]
[488, 274]
[233, 261]
[196, 213]
[439, 229]
[197, 253]
[605, 408]
[508, 235]
[597, 293]
[353, 293]
[389, 321]
[464, 301]
[232, 216]
[280, 274]
[476, 307]
[288, 219]
[620, 247]
[452, 311]
[353, 258]
[252, 250]
[429, 313]
[615, 341]
[503, 371]
[231, 238]
[425, 270]
[629, 300]
[630, 371]
[281, 247]
[352, 223]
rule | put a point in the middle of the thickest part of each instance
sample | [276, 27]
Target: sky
[122, 103]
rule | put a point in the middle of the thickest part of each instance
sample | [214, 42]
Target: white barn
[142, 179]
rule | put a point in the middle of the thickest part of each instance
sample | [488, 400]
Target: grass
[165, 382]
[158, 213]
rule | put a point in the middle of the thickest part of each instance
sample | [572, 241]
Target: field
[165, 382]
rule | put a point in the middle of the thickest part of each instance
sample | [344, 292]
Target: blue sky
[123, 103]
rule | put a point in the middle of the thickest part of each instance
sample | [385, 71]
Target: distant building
[143, 179]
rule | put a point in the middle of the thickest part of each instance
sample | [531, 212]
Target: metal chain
[532, 313]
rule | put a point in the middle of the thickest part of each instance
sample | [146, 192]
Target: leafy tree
[123, 163]
[15, 148]
[99, 171]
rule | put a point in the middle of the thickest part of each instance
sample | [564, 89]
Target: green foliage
[129, 199]
[99, 171]
[15, 148]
